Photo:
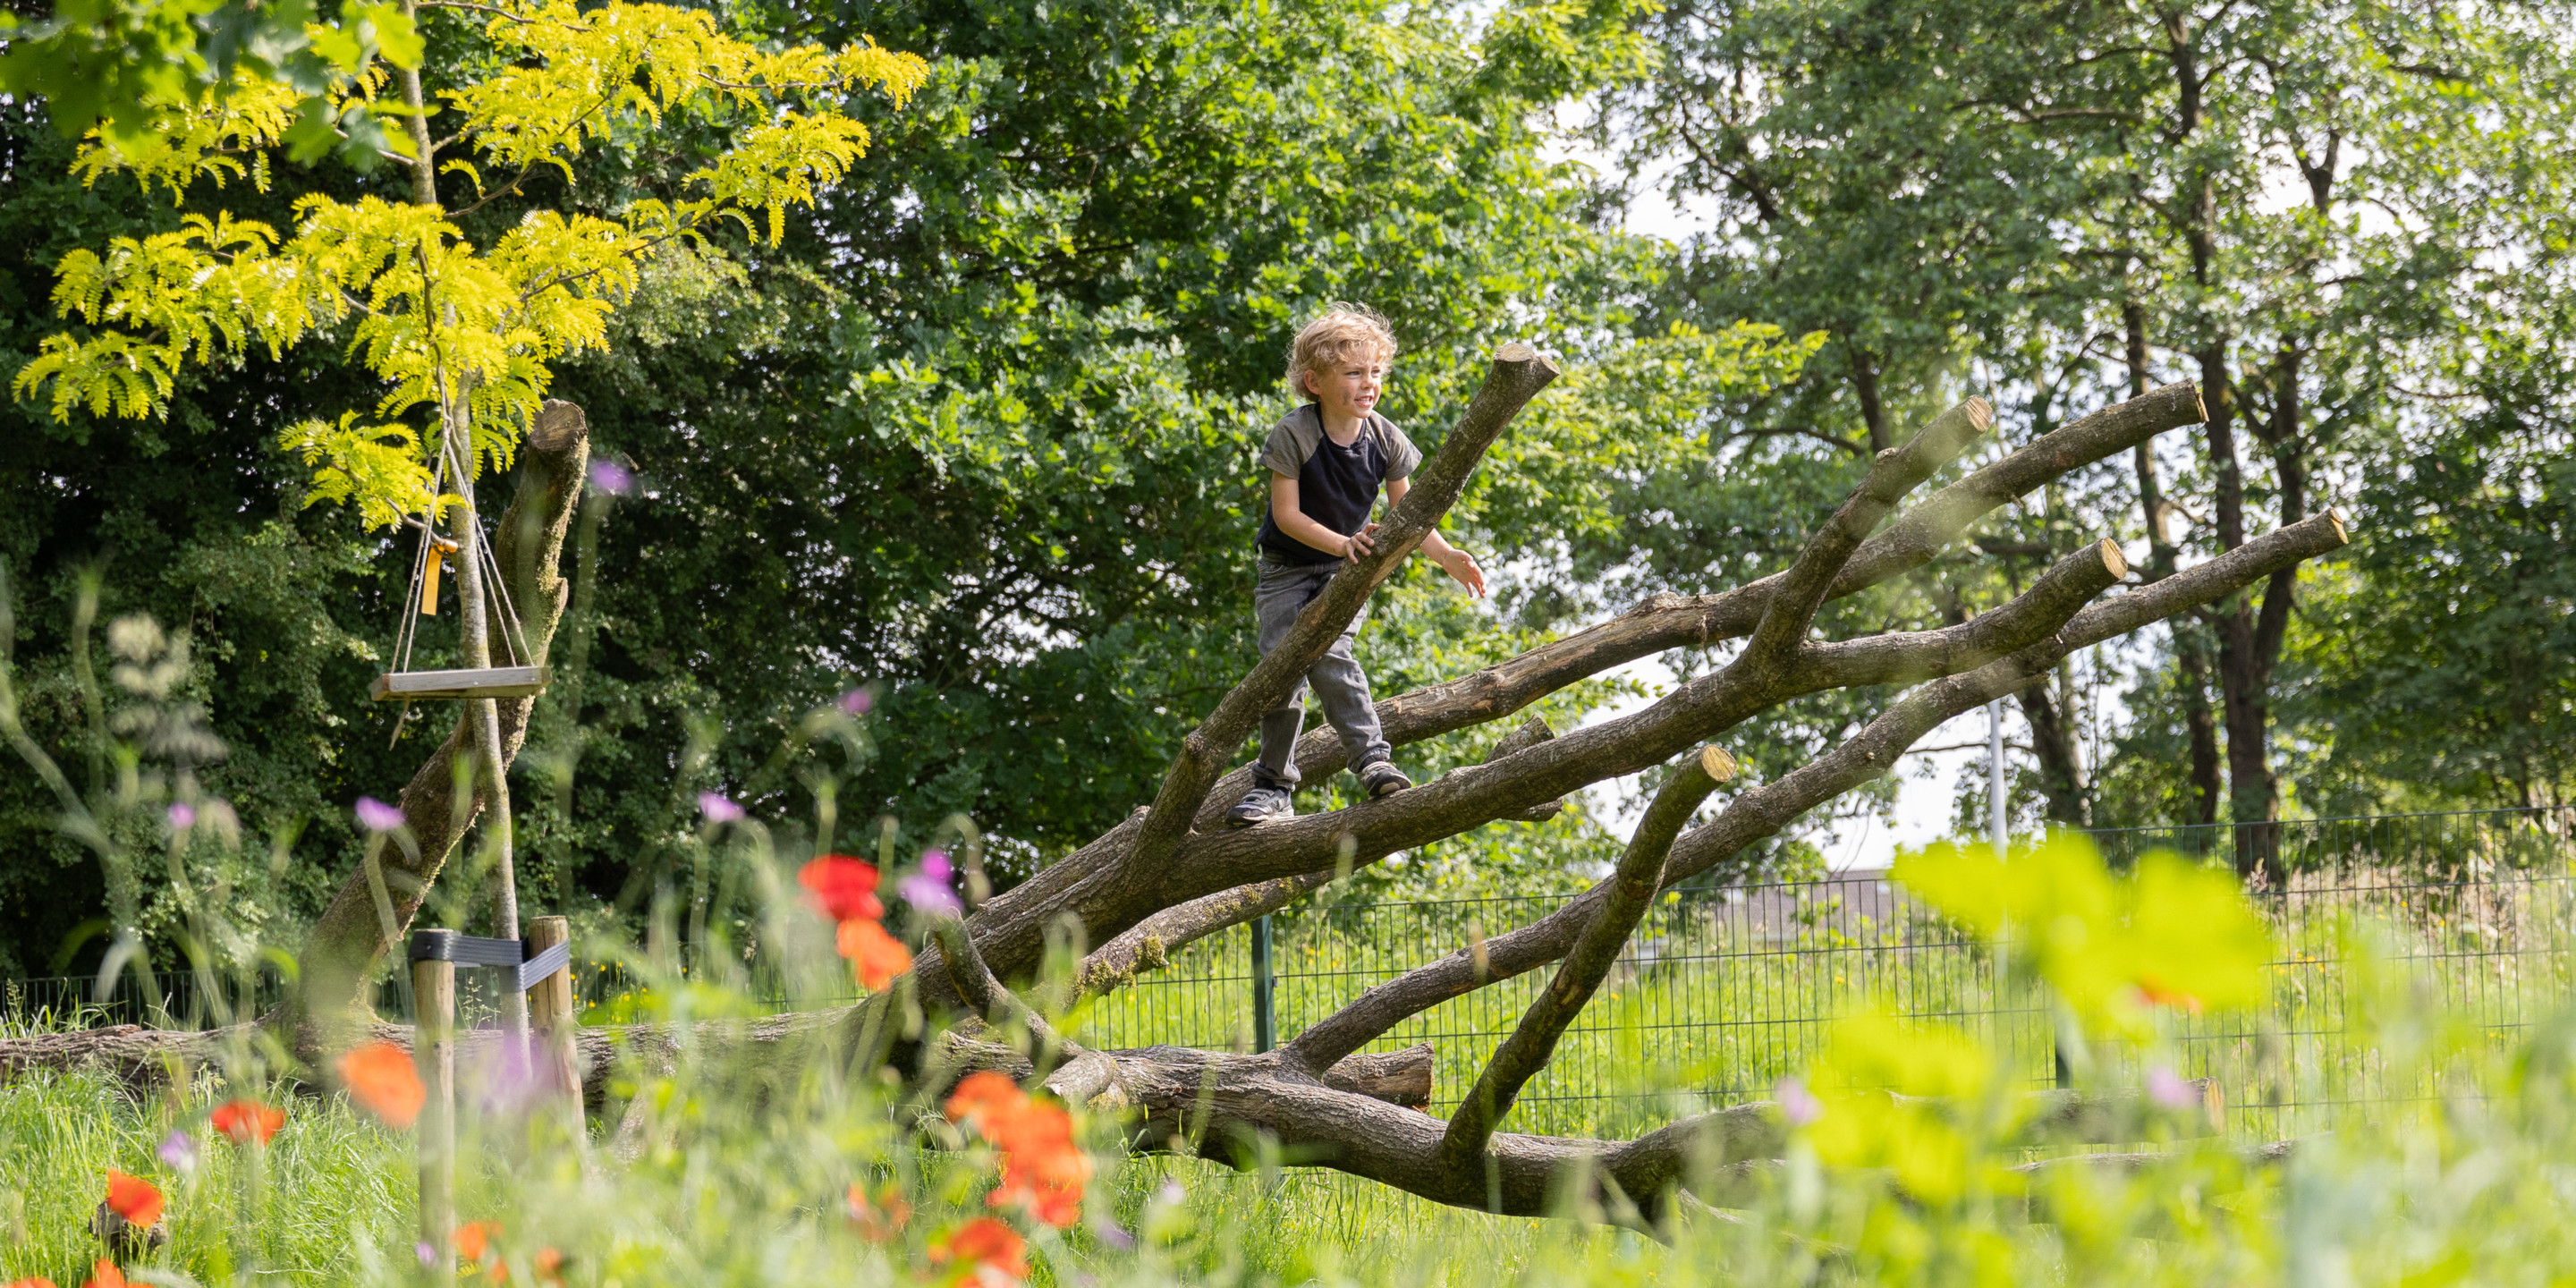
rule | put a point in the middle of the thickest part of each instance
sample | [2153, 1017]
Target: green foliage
[2167, 933]
[469, 331]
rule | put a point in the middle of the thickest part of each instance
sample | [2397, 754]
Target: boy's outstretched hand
[1462, 566]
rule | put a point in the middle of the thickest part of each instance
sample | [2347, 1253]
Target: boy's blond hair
[1342, 332]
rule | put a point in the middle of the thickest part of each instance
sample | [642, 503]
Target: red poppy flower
[983, 1249]
[877, 956]
[103, 1275]
[550, 1264]
[381, 1078]
[133, 1198]
[32, 1281]
[245, 1122]
[843, 888]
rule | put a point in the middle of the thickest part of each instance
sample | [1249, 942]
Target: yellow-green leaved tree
[463, 336]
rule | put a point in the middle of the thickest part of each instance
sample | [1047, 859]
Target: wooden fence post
[433, 985]
[550, 1013]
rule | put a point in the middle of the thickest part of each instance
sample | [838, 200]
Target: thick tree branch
[1762, 812]
[1802, 589]
[1596, 949]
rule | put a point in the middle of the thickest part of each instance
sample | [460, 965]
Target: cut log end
[1396, 1077]
[1980, 413]
[2335, 519]
[1719, 766]
[2112, 559]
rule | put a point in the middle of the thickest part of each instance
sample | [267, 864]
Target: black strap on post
[498, 954]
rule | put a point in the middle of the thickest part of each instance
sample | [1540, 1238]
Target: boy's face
[1349, 387]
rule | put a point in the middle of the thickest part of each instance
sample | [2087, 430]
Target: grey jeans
[1282, 593]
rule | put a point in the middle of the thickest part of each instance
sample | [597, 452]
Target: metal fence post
[1265, 1024]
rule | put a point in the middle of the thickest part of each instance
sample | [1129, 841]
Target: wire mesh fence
[1721, 992]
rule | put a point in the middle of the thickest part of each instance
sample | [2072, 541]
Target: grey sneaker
[1383, 779]
[1260, 805]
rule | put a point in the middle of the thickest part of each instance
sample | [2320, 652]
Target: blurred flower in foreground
[134, 1198]
[103, 1275]
[178, 1151]
[983, 1250]
[843, 887]
[1042, 1168]
[376, 816]
[610, 477]
[2168, 1088]
[182, 816]
[857, 701]
[474, 1241]
[380, 1077]
[1797, 1104]
[877, 956]
[928, 889]
[32, 1281]
[882, 1218]
[245, 1122]
[718, 809]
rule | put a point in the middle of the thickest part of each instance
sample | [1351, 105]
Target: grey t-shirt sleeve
[1292, 440]
[1401, 455]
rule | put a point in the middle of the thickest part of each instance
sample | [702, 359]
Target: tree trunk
[347, 944]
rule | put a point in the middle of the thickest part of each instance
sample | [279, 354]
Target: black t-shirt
[1336, 485]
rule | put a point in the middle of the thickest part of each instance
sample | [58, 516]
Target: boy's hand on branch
[1364, 542]
[1462, 566]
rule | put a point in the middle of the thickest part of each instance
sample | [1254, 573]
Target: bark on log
[348, 942]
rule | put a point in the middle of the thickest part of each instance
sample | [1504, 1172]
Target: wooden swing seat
[489, 682]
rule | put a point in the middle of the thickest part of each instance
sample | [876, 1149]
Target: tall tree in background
[975, 437]
[2298, 205]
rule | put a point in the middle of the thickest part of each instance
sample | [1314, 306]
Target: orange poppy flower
[32, 1281]
[844, 888]
[103, 1275]
[2154, 990]
[1042, 1167]
[380, 1077]
[881, 1219]
[982, 1097]
[132, 1197]
[245, 1122]
[983, 1249]
[474, 1239]
[877, 956]
[550, 1264]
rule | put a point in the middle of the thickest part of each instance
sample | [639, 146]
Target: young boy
[1325, 463]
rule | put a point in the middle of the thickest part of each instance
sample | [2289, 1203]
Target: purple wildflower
[1113, 1234]
[427, 1254]
[182, 816]
[718, 809]
[179, 1151]
[376, 816]
[1798, 1105]
[610, 477]
[857, 702]
[928, 889]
